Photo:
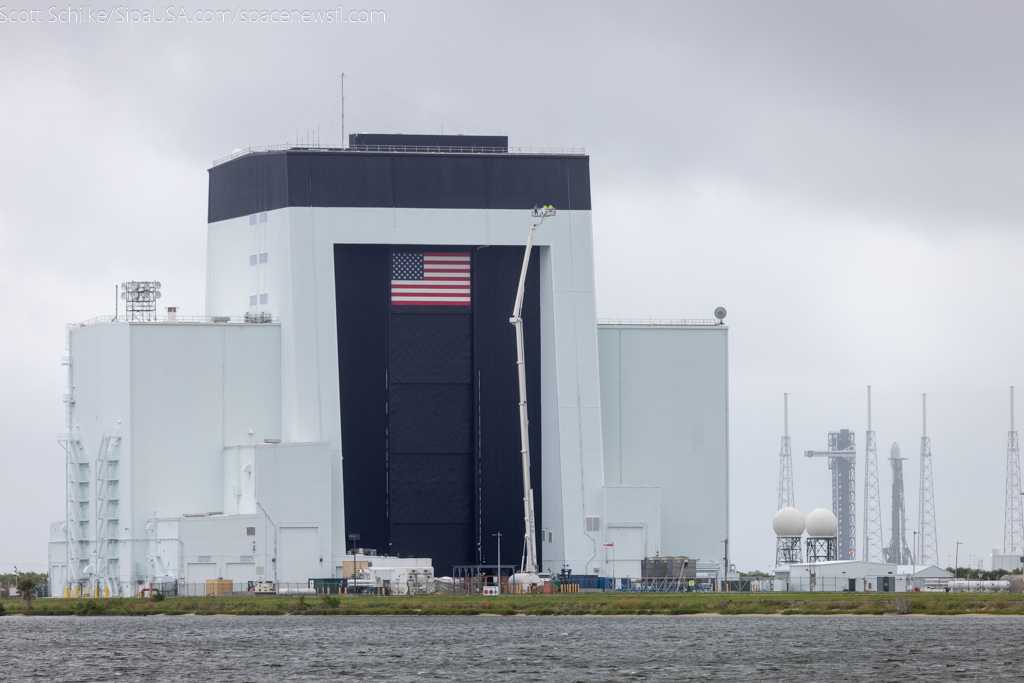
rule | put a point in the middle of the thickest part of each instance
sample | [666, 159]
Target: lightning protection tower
[898, 552]
[927, 549]
[1013, 526]
[787, 548]
[842, 460]
[872, 498]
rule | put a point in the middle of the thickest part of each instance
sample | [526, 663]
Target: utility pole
[726, 564]
[872, 499]
[913, 560]
[343, 142]
[499, 560]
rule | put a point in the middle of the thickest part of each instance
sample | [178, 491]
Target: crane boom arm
[529, 565]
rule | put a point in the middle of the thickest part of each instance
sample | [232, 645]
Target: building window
[263, 217]
[593, 523]
[250, 531]
[263, 257]
[252, 300]
[252, 259]
[252, 219]
[263, 298]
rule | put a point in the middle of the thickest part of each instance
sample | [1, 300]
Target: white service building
[858, 576]
[315, 408]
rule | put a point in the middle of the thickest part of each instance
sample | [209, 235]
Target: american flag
[430, 278]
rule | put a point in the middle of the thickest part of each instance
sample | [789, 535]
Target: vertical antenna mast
[927, 550]
[1013, 525]
[787, 549]
[343, 143]
[872, 498]
[786, 497]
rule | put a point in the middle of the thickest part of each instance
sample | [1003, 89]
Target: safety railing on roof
[651, 322]
[414, 149]
[251, 318]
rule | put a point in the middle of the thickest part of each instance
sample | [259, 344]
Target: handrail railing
[652, 322]
[250, 318]
[414, 149]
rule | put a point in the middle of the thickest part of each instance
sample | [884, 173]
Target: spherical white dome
[788, 522]
[821, 523]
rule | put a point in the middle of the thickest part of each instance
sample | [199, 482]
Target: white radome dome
[788, 522]
[821, 523]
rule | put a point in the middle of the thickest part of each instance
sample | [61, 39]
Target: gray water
[591, 649]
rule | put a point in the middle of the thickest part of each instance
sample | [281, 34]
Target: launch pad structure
[842, 460]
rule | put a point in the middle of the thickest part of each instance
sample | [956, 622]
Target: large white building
[319, 406]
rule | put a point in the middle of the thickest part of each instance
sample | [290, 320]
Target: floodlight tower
[927, 550]
[842, 460]
[897, 552]
[528, 569]
[787, 548]
[1013, 525]
[872, 499]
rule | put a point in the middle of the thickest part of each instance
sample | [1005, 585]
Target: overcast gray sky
[845, 178]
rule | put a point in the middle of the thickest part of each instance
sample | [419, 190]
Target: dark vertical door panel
[429, 407]
[431, 418]
[430, 361]
[499, 460]
[363, 295]
[431, 349]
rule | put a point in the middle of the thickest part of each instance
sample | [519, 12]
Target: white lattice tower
[786, 497]
[927, 549]
[872, 499]
[1013, 526]
[787, 550]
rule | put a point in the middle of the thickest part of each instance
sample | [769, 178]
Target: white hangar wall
[665, 420]
[151, 408]
[298, 281]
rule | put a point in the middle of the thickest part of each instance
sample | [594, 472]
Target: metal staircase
[107, 512]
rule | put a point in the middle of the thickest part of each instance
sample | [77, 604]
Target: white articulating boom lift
[528, 570]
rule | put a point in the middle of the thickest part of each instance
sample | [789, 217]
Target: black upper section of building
[264, 181]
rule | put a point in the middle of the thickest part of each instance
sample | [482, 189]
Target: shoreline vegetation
[577, 604]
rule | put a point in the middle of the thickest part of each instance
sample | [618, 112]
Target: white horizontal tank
[821, 523]
[788, 523]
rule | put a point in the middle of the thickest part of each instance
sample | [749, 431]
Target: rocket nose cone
[894, 452]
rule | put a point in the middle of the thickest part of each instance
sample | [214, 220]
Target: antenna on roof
[343, 110]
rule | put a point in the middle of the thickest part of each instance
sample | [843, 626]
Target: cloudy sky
[845, 178]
